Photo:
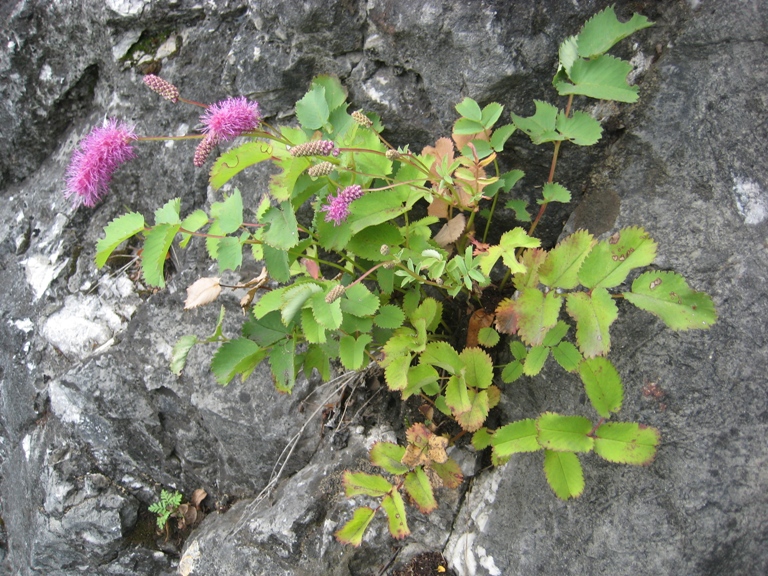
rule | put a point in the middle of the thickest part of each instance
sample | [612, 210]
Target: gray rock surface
[93, 424]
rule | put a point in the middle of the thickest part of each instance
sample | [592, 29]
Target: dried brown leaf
[203, 291]
[197, 497]
[451, 230]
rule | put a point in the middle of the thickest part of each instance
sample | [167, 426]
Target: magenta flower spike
[100, 154]
[230, 118]
[337, 209]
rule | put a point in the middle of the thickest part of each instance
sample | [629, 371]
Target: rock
[93, 424]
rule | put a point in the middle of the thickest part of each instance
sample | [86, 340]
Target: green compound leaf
[228, 214]
[500, 137]
[564, 474]
[561, 267]
[352, 351]
[169, 213]
[604, 78]
[580, 128]
[236, 160]
[626, 442]
[395, 508]
[611, 261]
[329, 316]
[117, 232]
[420, 376]
[594, 313]
[389, 316]
[488, 337]
[359, 301]
[294, 298]
[362, 484]
[474, 418]
[420, 490]
[352, 532]
[668, 296]
[478, 367]
[267, 329]
[568, 53]
[181, 351]
[567, 355]
[156, 245]
[230, 253]
[510, 241]
[313, 331]
[470, 110]
[388, 456]
[396, 371]
[512, 371]
[442, 355]
[312, 110]
[520, 436]
[603, 385]
[192, 223]
[603, 31]
[457, 396]
[532, 260]
[553, 192]
[564, 433]
[282, 362]
[467, 126]
[535, 359]
[556, 334]
[530, 316]
[491, 113]
[317, 357]
[239, 356]
[541, 126]
[368, 242]
[481, 439]
[276, 262]
[335, 93]
[281, 229]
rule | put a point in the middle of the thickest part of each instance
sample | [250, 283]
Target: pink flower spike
[337, 209]
[100, 154]
[230, 118]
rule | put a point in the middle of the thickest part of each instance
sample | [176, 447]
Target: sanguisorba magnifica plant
[366, 280]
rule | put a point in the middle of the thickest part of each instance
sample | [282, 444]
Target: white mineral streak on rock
[460, 552]
[42, 268]
[189, 559]
[26, 445]
[750, 200]
[127, 7]
[65, 403]
[487, 562]
[81, 326]
[25, 325]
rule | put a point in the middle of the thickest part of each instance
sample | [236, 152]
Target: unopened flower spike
[337, 209]
[230, 118]
[316, 148]
[360, 117]
[93, 164]
[162, 87]
[335, 293]
[322, 169]
[203, 150]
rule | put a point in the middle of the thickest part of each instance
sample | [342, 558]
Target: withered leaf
[203, 291]
[451, 231]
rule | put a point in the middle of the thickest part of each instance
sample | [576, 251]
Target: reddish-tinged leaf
[395, 508]
[449, 473]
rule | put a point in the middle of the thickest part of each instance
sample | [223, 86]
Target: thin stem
[192, 102]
